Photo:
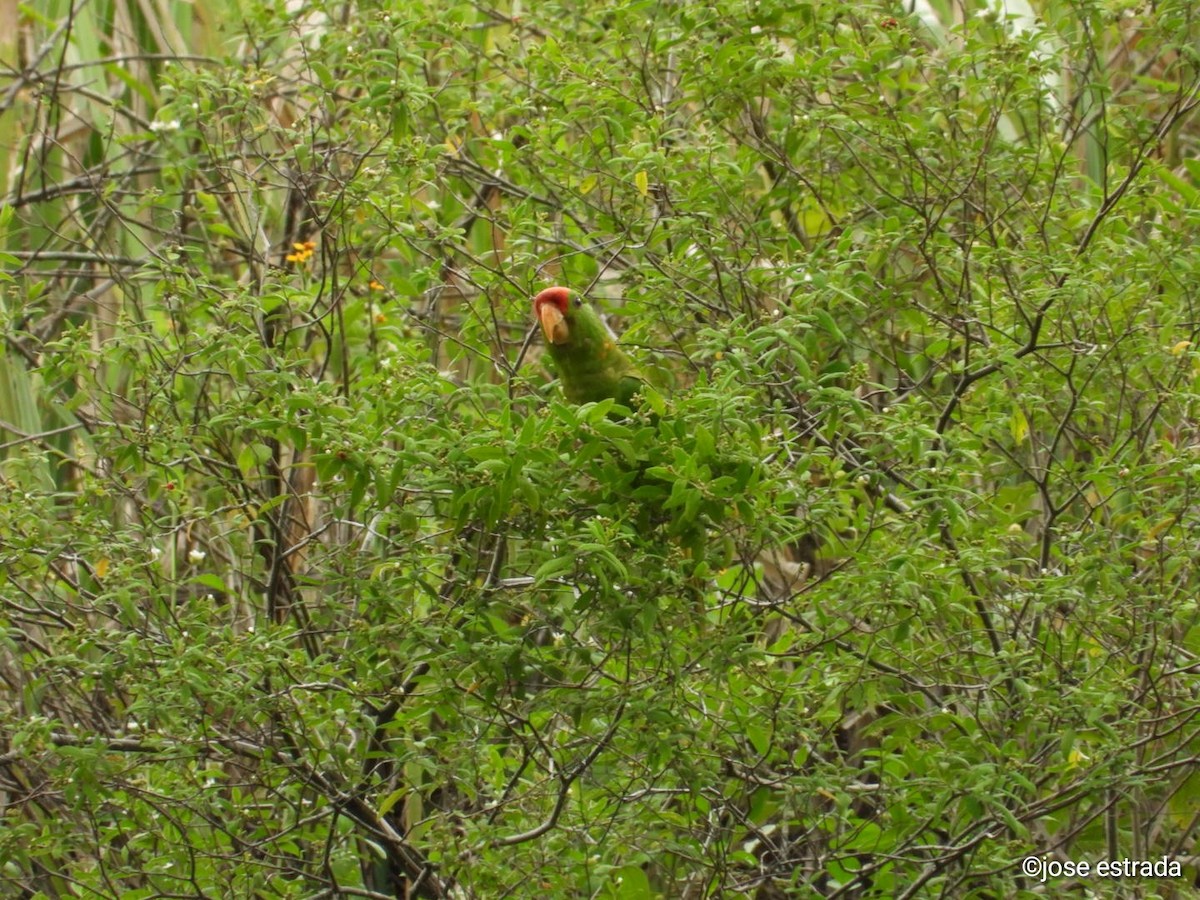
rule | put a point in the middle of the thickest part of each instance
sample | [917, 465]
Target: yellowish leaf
[642, 180]
[1019, 425]
[587, 185]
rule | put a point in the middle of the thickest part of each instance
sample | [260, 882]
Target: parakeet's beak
[554, 325]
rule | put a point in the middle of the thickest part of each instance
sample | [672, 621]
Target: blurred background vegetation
[312, 585]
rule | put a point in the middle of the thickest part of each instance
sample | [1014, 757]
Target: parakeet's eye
[578, 302]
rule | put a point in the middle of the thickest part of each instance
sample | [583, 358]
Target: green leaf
[629, 883]
[827, 323]
[389, 802]
[553, 568]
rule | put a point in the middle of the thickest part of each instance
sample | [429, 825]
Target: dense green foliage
[312, 584]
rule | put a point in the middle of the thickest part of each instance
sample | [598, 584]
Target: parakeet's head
[553, 308]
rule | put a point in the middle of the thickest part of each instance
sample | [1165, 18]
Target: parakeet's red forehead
[559, 296]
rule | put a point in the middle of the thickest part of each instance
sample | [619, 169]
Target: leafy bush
[313, 584]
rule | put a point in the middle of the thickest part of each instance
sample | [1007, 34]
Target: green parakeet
[591, 368]
[589, 363]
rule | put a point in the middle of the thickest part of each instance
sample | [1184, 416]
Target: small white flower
[158, 127]
[196, 555]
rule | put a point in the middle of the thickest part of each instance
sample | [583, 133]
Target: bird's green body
[592, 368]
[586, 357]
